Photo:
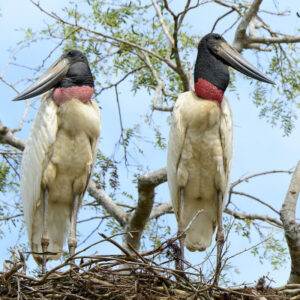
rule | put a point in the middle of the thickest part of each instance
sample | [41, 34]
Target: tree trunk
[291, 227]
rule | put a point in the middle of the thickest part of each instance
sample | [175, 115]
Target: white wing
[175, 146]
[94, 143]
[226, 133]
[42, 136]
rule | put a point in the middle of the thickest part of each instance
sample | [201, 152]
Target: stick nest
[128, 276]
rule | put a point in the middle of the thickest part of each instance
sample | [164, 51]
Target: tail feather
[201, 230]
[58, 218]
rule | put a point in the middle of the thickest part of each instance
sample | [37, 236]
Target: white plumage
[199, 161]
[59, 155]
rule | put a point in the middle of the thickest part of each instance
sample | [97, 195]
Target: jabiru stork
[59, 155]
[200, 145]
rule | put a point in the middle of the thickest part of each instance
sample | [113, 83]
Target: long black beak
[238, 62]
[48, 80]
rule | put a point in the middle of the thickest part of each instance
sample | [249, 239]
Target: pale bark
[240, 40]
[291, 227]
[107, 203]
[8, 138]
[137, 222]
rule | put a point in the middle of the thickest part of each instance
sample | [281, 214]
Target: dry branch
[7, 137]
[107, 203]
[137, 222]
[291, 227]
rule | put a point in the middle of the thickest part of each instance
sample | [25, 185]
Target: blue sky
[258, 146]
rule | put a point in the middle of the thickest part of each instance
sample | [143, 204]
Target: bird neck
[211, 76]
[78, 84]
[82, 93]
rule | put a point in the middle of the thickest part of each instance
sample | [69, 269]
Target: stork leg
[219, 238]
[45, 239]
[180, 233]
[72, 242]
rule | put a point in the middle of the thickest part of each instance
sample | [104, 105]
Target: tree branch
[161, 209]
[220, 18]
[243, 216]
[160, 85]
[10, 217]
[179, 69]
[274, 40]
[7, 137]
[177, 22]
[146, 186]
[121, 80]
[246, 179]
[232, 6]
[104, 200]
[240, 34]
[256, 199]
[291, 227]
[162, 22]
[122, 41]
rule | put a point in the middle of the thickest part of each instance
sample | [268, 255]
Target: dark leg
[45, 239]
[180, 232]
[219, 238]
[72, 242]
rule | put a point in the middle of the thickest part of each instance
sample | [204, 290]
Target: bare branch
[179, 69]
[146, 186]
[121, 80]
[291, 227]
[240, 34]
[154, 179]
[231, 26]
[9, 84]
[274, 40]
[161, 209]
[160, 85]
[7, 137]
[11, 217]
[247, 249]
[244, 216]
[23, 117]
[108, 204]
[257, 47]
[168, 8]
[232, 6]
[256, 199]
[246, 179]
[220, 18]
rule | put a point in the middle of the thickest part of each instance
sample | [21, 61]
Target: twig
[244, 216]
[220, 18]
[256, 199]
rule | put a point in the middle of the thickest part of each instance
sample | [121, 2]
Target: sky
[258, 146]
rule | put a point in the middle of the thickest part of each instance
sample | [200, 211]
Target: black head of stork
[211, 76]
[70, 76]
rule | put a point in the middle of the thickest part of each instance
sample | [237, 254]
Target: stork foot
[45, 244]
[72, 243]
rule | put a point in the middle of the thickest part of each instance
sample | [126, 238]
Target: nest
[128, 276]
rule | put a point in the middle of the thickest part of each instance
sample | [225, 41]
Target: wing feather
[42, 136]
[94, 143]
[226, 134]
[175, 147]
